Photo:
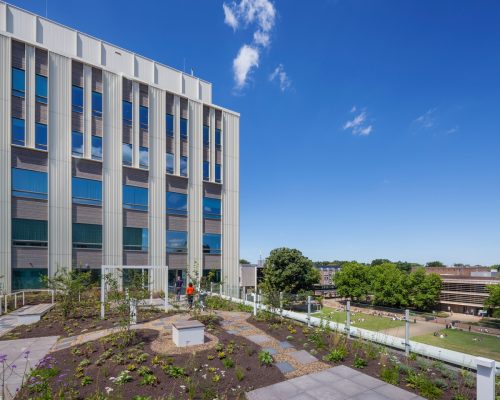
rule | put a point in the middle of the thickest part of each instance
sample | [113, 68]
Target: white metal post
[407, 332]
[103, 288]
[15, 301]
[485, 379]
[166, 293]
[309, 311]
[211, 288]
[52, 296]
[281, 302]
[348, 319]
[220, 289]
[0, 307]
[5, 299]
[23, 298]
[255, 303]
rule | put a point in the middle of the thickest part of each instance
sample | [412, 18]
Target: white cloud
[357, 124]
[280, 74]
[452, 130]
[427, 120]
[229, 17]
[245, 61]
[261, 14]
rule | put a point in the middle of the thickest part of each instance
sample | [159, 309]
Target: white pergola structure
[106, 269]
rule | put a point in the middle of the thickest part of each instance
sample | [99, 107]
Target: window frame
[186, 173]
[85, 200]
[18, 92]
[142, 150]
[206, 170]
[92, 154]
[142, 124]
[206, 135]
[76, 107]
[43, 99]
[218, 138]
[127, 121]
[16, 141]
[96, 112]
[135, 247]
[216, 251]
[128, 145]
[41, 146]
[18, 192]
[177, 250]
[218, 173]
[135, 206]
[171, 170]
[184, 121]
[177, 211]
[73, 153]
[84, 245]
[212, 215]
[170, 133]
[30, 242]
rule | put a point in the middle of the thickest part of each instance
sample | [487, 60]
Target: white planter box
[188, 333]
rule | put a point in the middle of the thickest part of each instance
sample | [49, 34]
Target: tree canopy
[243, 261]
[493, 300]
[287, 270]
[352, 281]
[435, 264]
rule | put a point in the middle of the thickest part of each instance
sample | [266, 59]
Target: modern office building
[107, 157]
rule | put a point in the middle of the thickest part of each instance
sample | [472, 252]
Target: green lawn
[371, 322]
[462, 341]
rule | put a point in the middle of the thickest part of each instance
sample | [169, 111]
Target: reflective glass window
[177, 203]
[127, 112]
[170, 163]
[206, 170]
[184, 128]
[18, 82]
[77, 98]
[143, 117]
[135, 198]
[170, 125]
[211, 243]
[127, 154]
[211, 208]
[184, 166]
[135, 239]
[206, 135]
[41, 89]
[218, 138]
[87, 236]
[218, 177]
[177, 242]
[96, 147]
[29, 232]
[40, 136]
[77, 144]
[143, 157]
[18, 131]
[97, 104]
[87, 191]
[27, 183]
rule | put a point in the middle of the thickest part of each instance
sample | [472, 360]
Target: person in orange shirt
[190, 295]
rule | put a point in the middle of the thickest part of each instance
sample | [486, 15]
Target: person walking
[179, 283]
[190, 294]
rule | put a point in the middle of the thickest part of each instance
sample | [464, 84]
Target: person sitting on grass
[190, 294]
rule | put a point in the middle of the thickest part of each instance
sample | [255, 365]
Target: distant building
[327, 273]
[464, 288]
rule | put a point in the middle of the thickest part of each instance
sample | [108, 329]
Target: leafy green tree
[68, 285]
[380, 261]
[389, 285]
[496, 266]
[352, 281]
[493, 300]
[424, 289]
[406, 267]
[434, 264]
[287, 270]
[243, 261]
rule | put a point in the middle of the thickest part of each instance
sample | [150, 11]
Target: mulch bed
[204, 371]
[54, 324]
[304, 338]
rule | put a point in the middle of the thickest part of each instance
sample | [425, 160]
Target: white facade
[64, 47]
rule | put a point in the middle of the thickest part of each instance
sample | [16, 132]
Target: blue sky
[368, 129]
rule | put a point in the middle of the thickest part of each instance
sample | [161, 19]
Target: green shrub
[86, 380]
[240, 373]
[123, 377]
[228, 363]
[390, 375]
[143, 371]
[359, 362]
[441, 383]
[265, 357]
[336, 355]
[149, 379]
[424, 386]
[173, 371]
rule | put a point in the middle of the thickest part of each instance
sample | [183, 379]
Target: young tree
[352, 281]
[493, 300]
[68, 285]
[388, 285]
[287, 270]
[424, 289]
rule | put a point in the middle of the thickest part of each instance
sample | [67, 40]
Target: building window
[18, 82]
[170, 125]
[127, 153]
[143, 117]
[218, 138]
[27, 183]
[135, 198]
[96, 147]
[206, 135]
[87, 191]
[97, 104]
[28, 278]
[218, 177]
[211, 208]
[135, 239]
[18, 131]
[77, 144]
[177, 203]
[177, 242]
[170, 163]
[184, 166]
[29, 232]
[184, 128]
[206, 170]
[87, 236]
[40, 136]
[143, 157]
[77, 99]
[127, 113]
[41, 88]
[211, 243]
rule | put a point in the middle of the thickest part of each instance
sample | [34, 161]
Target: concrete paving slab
[284, 367]
[367, 381]
[303, 357]
[270, 350]
[344, 372]
[286, 345]
[394, 393]
[259, 338]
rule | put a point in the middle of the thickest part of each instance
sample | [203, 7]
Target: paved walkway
[23, 315]
[290, 361]
[24, 354]
[337, 383]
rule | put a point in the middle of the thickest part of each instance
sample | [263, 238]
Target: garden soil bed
[458, 382]
[92, 368]
[54, 324]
